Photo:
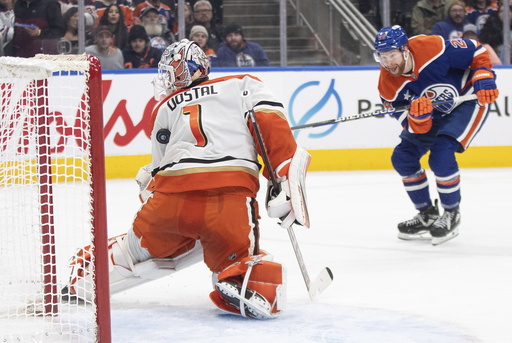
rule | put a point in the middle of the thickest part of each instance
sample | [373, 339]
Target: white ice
[384, 289]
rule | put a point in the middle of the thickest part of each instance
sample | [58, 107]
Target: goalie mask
[181, 64]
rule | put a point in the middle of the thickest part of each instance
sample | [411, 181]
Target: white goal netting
[46, 197]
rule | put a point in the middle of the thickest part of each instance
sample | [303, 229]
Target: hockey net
[52, 198]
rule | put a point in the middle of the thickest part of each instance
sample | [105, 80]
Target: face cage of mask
[165, 82]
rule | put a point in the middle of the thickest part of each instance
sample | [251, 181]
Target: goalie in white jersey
[199, 193]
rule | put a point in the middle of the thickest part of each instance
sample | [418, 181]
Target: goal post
[52, 198]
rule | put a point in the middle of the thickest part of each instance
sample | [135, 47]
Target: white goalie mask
[181, 64]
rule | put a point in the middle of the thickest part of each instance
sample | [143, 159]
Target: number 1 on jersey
[194, 114]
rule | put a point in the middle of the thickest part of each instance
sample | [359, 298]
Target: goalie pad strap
[255, 276]
[297, 182]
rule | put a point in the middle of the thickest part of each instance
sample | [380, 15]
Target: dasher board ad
[309, 95]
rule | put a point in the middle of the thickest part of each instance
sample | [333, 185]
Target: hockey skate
[446, 227]
[418, 228]
[67, 296]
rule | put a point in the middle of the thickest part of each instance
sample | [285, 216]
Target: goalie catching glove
[289, 203]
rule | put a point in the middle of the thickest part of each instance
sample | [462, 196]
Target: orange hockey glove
[421, 108]
[484, 85]
[420, 115]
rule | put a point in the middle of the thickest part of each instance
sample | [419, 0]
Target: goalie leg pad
[129, 265]
[253, 288]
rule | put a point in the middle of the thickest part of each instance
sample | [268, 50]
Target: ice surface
[384, 289]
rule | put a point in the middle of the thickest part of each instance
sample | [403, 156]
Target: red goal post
[52, 198]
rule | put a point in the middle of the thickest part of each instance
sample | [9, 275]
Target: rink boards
[310, 94]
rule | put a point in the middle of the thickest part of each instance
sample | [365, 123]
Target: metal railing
[342, 16]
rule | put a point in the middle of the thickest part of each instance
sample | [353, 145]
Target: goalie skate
[66, 296]
[255, 305]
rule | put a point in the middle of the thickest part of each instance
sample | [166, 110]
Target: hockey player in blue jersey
[417, 72]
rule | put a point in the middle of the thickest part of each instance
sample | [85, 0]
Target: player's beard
[397, 69]
[153, 29]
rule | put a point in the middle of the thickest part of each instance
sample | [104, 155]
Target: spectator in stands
[138, 54]
[69, 42]
[169, 3]
[101, 7]
[47, 26]
[238, 52]
[111, 57]
[189, 18]
[159, 36]
[217, 10]
[90, 19]
[6, 27]
[479, 11]
[199, 34]
[470, 33]
[425, 14]
[203, 15]
[189, 14]
[453, 26]
[89, 8]
[166, 14]
[113, 18]
[492, 31]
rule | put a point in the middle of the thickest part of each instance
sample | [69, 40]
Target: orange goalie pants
[225, 220]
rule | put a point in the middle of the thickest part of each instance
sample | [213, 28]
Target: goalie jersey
[441, 70]
[202, 137]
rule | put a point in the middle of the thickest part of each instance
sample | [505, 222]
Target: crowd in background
[134, 33]
[476, 19]
[123, 33]
[481, 20]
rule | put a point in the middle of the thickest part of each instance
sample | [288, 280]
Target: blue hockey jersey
[441, 70]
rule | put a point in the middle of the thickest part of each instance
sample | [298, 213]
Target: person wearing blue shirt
[479, 11]
[236, 51]
[453, 26]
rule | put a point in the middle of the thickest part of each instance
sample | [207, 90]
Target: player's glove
[421, 108]
[484, 85]
[280, 206]
[420, 115]
[143, 178]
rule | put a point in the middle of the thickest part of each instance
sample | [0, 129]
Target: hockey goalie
[199, 193]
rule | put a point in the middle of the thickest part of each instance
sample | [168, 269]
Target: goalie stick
[463, 98]
[324, 279]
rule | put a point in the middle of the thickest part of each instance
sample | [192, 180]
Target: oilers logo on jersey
[441, 92]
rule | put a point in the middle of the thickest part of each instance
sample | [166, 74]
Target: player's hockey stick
[324, 279]
[380, 112]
